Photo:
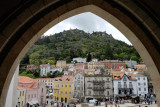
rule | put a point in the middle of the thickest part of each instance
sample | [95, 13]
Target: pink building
[80, 66]
[35, 90]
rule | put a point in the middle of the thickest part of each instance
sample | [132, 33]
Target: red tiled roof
[22, 81]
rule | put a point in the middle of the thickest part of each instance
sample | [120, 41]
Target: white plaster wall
[12, 94]
[142, 86]
[115, 84]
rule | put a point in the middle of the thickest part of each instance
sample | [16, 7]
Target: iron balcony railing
[119, 86]
[98, 88]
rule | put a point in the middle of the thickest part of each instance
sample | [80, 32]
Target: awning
[33, 102]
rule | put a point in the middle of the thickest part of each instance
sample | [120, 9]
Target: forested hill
[77, 43]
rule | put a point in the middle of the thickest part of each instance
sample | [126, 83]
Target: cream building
[21, 97]
[61, 63]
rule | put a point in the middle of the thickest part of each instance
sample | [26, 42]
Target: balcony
[108, 88]
[98, 95]
[89, 81]
[107, 81]
[98, 89]
[119, 86]
[98, 81]
[124, 86]
[89, 87]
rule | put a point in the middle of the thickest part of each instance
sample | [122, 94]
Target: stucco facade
[124, 86]
[98, 86]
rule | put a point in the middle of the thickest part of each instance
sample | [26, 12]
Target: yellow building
[21, 94]
[61, 63]
[63, 89]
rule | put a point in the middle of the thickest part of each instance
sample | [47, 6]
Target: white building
[79, 60]
[124, 86]
[131, 63]
[48, 68]
[94, 60]
[78, 86]
[47, 81]
[142, 85]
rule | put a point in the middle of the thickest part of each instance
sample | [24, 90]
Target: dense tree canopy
[69, 44]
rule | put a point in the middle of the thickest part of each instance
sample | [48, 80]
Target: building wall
[142, 86]
[92, 93]
[12, 95]
[48, 82]
[78, 86]
[31, 95]
[21, 93]
[61, 64]
[61, 91]
[115, 85]
[42, 94]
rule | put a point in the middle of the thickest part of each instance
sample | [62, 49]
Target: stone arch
[18, 33]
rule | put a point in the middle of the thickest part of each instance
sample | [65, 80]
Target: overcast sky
[88, 22]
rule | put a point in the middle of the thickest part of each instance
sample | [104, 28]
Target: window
[107, 85]
[58, 86]
[66, 92]
[75, 88]
[139, 89]
[144, 83]
[29, 96]
[69, 86]
[23, 93]
[61, 92]
[144, 89]
[107, 79]
[51, 83]
[107, 92]
[22, 103]
[32, 96]
[143, 78]
[57, 92]
[75, 78]
[66, 86]
[138, 78]
[70, 93]
[42, 90]
[62, 86]
[89, 85]
[89, 92]
[20, 93]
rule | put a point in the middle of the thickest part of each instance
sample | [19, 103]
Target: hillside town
[85, 82]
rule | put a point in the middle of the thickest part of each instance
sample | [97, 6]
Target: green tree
[108, 51]
[34, 58]
[48, 74]
[36, 74]
[52, 62]
[89, 57]
[134, 58]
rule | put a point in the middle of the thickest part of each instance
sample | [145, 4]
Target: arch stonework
[29, 21]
